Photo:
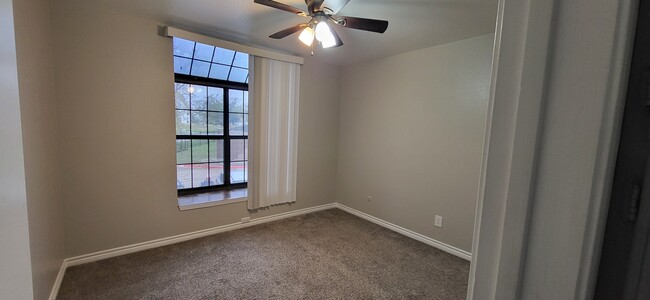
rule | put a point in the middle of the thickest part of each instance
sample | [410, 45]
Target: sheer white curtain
[273, 132]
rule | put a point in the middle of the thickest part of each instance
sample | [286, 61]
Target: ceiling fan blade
[373, 25]
[282, 6]
[287, 32]
[335, 5]
[313, 5]
[337, 38]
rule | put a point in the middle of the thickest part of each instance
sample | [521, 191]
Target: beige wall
[115, 90]
[411, 136]
[41, 142]
[15, 265]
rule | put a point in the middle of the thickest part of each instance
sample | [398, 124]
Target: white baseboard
[86, 258]
[100, 255]
[412, 234]
[58, 280]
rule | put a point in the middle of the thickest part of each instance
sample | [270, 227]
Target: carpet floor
[324, 255]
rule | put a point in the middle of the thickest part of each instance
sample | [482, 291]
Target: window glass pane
[183, 155]
[182, 122]
[241, 60]
[200, 175]
[182, 96]
[237, 172]
[246, 101]
[203, 60]
[215, 123]
[200, 111]
[183, 176]
[217, 174]
[183, 47]
[203, 52]
[216, 150]
[199, 122]
[238, 75]
[236, 124]
[199, 151]
[200, 68]
[215, 98]
[236, 101]
[219, 72]
[182, 65]
[223, 56]
[199, 97]
[237, 152]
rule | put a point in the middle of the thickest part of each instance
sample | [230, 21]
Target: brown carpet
[325, 255]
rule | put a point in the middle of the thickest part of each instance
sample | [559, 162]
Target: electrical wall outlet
[438, 221]
[369, 199]
[245, 219]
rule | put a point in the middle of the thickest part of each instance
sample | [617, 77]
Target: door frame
[522, 51]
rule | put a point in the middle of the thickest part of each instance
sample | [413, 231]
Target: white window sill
[210, 199]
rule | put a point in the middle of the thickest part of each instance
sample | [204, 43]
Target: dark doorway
[623, 271]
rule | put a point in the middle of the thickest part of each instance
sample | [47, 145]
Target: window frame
[226, 137]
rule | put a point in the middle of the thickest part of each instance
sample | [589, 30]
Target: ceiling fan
[322, 12]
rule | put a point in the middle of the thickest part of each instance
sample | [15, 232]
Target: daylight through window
[211, 87]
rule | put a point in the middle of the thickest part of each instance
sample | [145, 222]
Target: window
[211, 87]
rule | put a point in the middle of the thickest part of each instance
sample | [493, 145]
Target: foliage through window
[211, 92]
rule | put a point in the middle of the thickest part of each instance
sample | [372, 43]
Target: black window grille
[211, 95]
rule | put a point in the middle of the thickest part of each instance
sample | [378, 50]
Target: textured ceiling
[414, 24]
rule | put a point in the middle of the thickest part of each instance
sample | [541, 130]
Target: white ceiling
[413, 24]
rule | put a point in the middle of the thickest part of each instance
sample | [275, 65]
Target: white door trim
[607, 149]
[523, 42]
[514, 117]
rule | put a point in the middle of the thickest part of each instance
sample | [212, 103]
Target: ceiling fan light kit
[307, 36]
[324, 35]
[321, 12]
